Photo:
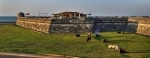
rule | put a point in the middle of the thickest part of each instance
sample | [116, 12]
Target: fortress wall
[143, 26]
[45, 25]
[55, 25]
[134, 25]
[69, 25]
[110, 24]
[131, 27]
[38, 24]
[67, 28]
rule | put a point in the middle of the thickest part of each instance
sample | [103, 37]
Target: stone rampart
[46, 25]
[69, 25]
[143, 25]
[38, 24]
[110, 24]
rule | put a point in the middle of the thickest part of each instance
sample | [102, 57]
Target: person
[97, 33]
[89, 36]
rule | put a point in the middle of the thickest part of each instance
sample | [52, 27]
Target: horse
[115, 47]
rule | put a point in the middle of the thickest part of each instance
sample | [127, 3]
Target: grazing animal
[115, 47]
[123, 32]
[118, 32]
[104, 40]
[88, 39]
[122, 50]
[77, 35]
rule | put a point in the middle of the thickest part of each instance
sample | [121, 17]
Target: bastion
[47, 25]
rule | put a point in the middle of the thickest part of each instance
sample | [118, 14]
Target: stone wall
[143, 25]
[69, 25]
[110, 24]
[134, 25]
[38, 24]
[46, 25]
[131, 27]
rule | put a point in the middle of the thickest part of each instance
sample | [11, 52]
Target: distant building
[69, 15]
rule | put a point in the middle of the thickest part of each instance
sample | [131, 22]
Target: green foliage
[21, 40]
[21, 14]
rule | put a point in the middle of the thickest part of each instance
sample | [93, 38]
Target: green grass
[21, 40]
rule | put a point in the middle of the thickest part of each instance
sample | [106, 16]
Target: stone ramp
[21, 55]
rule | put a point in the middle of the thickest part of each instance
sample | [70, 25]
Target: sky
[95, 7]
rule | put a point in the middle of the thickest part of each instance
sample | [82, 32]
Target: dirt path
[19, 55]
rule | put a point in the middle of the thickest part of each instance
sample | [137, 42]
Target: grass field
[21, 40]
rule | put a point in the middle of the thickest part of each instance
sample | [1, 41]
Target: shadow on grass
[99, 38]
[117, 41]
[147, 41]
[90, 57]
[140, 51]
[124, 55]
[115, 36]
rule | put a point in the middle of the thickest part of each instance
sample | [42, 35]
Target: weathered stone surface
[143, 29]
[110, 24]
[131, 27]
[143, 25]
[55, 26]
[45, 25]
[67, 28]
[41, 25]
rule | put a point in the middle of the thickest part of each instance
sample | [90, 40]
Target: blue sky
[95, 7]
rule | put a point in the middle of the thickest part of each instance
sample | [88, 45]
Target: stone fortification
[45, 25]
[143, 25]
[38, 24]
[110, 24]
[69, 25]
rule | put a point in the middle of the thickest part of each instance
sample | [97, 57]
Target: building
[69, 15]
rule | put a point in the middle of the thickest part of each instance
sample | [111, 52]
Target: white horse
[115, 47]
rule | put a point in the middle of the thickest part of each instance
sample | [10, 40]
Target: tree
[21, 14]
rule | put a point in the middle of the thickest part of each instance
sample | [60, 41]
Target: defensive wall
[46, 25]
[143, 25]
[109, 24]
[114, 24]
[37, 24]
